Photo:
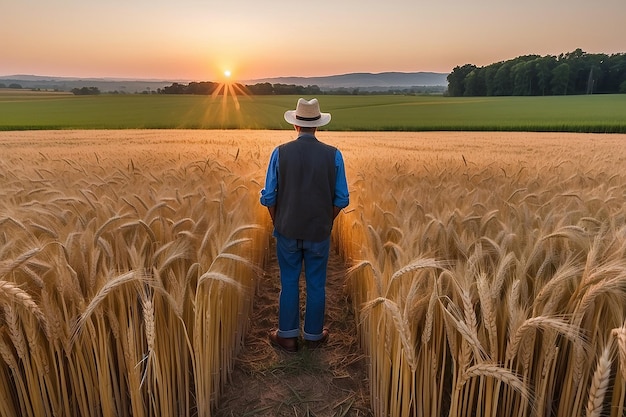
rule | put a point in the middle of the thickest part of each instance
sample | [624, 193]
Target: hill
[366, 80]
[363, 80]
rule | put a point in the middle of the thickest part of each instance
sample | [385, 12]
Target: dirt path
[330, 381]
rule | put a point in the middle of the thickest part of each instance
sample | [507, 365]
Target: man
[305, 189]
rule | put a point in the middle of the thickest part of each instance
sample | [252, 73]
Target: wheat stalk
[417, 264]
[7, 268]
[620, 337]
[355, 269]
[430, 312]
[219, 277]
[489, 313]
[466, 330]
[102, 294]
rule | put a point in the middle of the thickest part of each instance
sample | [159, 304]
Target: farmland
[24, 110]
[486, 271]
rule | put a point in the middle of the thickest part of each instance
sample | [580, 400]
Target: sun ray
[220, 109]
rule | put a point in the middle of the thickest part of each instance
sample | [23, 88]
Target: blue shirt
[268, 194]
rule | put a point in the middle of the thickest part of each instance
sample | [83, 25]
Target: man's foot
[314, 344]
[288, 344]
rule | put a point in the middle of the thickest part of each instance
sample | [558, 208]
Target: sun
[228, 87]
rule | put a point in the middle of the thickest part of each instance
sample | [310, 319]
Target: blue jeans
[291, 255]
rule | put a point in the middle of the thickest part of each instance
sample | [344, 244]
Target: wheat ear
[560, 325]
[499, 373]
[12, 292]
[599, 384]
[132, 276]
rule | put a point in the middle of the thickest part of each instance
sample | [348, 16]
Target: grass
[594, 113]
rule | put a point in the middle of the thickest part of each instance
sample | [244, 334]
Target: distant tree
[543, 69]
[340, 91]
[502, 84]
[490, 77]
[579, 69]
[86, 91]
[560, 79]
[615, 71]
[202, 88]
[15, 85]
[175, 88]
[600, 71]
[2, 85]
[286, 89]
[313, 90]
[261, 89]
[456, 79]
[475, 84]
[240, 89]
[523, 75]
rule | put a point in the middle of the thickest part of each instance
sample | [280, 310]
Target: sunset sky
[198, 40]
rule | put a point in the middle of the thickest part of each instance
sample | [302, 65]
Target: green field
[26, 110]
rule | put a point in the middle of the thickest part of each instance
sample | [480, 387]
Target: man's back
[307, 175]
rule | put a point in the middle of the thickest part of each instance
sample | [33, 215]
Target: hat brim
[290, 117]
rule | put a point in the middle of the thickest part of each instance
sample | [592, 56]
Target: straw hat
[307, 114]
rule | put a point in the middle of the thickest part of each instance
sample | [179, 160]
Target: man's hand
[272, 211]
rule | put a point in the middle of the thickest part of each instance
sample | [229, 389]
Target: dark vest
[306, 189]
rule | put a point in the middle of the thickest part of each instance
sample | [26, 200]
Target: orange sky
[196, 40]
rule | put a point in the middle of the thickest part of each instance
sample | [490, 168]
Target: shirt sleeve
[268, 194]
[342, 196]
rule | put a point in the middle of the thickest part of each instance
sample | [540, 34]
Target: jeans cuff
[288, 333]
[313, 337]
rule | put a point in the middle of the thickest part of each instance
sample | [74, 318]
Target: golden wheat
[529, 243]
[103, 254]
[487, 269]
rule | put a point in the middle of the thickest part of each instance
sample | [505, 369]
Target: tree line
[575, 72]
[13, 86]
[210, 87]
[86, 91]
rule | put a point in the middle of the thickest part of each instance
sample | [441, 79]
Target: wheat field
[493, 270]
[488, 270]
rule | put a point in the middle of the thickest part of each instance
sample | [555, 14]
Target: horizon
[54, 77]
[192, 40]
